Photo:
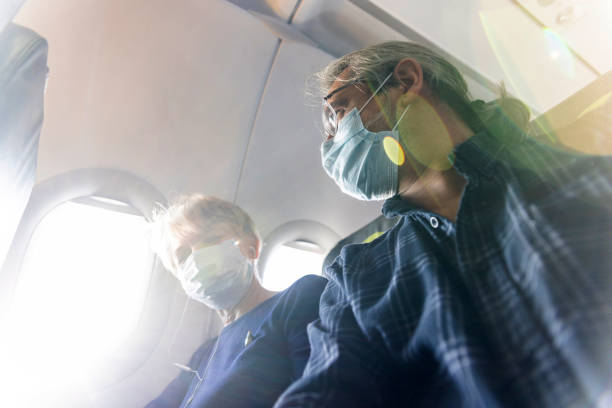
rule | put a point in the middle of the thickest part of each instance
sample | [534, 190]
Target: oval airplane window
[293, 250]
[290, 261]
[84, 300]
[81, 287]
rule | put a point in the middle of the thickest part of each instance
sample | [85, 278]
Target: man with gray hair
[211, 246]
[494, 287]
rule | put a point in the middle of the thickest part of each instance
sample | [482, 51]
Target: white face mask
[218, 276]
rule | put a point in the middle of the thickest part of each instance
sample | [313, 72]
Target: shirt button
[433, 221]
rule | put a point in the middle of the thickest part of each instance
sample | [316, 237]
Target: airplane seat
[23, 73]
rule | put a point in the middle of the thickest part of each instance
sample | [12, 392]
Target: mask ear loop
[375, 92]
[401, 117]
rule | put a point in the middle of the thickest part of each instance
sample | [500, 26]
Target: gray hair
[373, 64]
[192, 216]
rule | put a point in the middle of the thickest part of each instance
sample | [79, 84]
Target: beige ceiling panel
[164, 89]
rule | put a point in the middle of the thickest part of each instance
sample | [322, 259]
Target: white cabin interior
[147, 100]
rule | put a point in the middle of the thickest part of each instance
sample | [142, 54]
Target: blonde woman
[210, 246]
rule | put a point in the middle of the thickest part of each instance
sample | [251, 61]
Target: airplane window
[290, 261]
[81, 290]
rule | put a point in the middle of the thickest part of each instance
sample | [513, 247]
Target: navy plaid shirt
[510, 306]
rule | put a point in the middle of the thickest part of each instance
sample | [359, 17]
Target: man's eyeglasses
[328, 114]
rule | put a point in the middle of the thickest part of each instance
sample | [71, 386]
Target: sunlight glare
[286, 265]
[80, 292]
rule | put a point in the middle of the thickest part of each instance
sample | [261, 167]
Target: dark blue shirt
[510, 306]
[235, 375]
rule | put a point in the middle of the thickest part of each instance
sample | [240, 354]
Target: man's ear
[409, 74]
[250, 247]
[256, 248]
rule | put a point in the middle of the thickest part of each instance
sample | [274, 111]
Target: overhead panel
[582, 26]
[342, 26]
[339, 26]
[282, 9]
[497, 39]
[164, 90]
[283, 179]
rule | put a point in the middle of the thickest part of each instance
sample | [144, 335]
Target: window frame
[161, 290]
[299, 230]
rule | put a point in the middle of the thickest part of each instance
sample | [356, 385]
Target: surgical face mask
[218, 276]
[364, 164]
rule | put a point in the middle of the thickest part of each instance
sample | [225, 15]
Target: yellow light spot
[394, 150]
[373, 237]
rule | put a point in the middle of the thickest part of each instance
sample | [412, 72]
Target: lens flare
[511, 72]
[553, 56]
[394, 151]
[560, 52]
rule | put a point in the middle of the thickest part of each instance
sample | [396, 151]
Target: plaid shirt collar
[474, 159]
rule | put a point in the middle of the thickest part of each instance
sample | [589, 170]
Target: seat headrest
[23, 73]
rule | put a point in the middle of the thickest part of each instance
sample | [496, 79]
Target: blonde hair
[373, 64]
[192, 217]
